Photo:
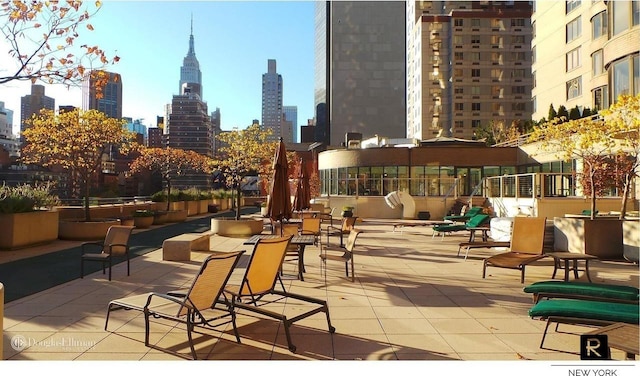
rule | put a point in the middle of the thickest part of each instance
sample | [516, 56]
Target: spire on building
[190, 75]
[192, 51]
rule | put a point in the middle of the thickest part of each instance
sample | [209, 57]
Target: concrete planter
[236, 228]
[79, 230]
[192, 207]
[631, 240]
[177, 216]
[20, 230]
[601, 237]
[160, 217]
[143, 222]
[203, 206]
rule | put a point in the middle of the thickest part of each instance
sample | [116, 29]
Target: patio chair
[526, 246]
[114, 245]
[346, 256]
[292, 253]
[201, 305]
[475, 221]
[348, 224]
[464, 217]
[260, 281]
[583, 291]
[583, 312]
[311, 226]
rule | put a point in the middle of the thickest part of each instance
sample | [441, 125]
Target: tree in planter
[245, 151]
[169, 163]
[41, 37]
[623, 120]
[74, 141]
[583, 139]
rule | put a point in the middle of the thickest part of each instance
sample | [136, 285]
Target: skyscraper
[111, 101]
[6, 122]
[32, 104]
[272, 100]
[291, 115]
[360, 69]
[468, 64]
[190, 70]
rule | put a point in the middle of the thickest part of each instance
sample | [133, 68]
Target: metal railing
[101, 201]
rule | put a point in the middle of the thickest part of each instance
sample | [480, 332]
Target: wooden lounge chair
[583, 291]
[583, 312]
[114, 245]
[201, 305]
[526, 246]
[260, 281]
[345, 254]
[475, 221]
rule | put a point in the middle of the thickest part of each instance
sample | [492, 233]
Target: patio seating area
[412, 299]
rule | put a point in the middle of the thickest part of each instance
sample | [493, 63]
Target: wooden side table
[623, 337]
[561, 260]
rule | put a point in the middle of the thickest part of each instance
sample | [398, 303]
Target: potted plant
[347, 211]
[26, 217]
[263, 209]
[143, 218]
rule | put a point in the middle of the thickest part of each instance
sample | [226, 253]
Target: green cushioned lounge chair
[583, 312]
[475, 221]
[582, 290]
[464, 217]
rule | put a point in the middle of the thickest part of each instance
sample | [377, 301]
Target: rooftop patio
[413, 299]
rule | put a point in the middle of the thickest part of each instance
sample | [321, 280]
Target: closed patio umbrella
[303, 192]
[279, 200]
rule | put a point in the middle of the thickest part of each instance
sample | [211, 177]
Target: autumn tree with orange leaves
[244, 152]
[74, 141]
[41, 37]
[169, 163]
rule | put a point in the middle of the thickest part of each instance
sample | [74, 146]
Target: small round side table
[561, 261]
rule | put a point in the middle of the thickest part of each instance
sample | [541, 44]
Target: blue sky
[233, 41]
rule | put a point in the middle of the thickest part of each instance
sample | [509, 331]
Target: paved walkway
[413, 299]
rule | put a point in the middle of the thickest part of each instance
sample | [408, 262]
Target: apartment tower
[291, 116]
[585, 54]
[31, 104]
[468, 64]
[359, 70]
[272, 102]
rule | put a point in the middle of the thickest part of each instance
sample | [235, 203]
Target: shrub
[143, 213]
[26, 198]
[159, 197]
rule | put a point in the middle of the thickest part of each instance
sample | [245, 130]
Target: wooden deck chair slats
[202, 305]
[260, 279]
[527, 246]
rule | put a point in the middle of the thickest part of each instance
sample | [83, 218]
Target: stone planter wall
[177, 216]
[631, 240]
[236, 228]
[601, 237]
[192, 207]
[78, 230]
[26, 229]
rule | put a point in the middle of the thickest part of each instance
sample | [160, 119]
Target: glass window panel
[417, 186]
[620, 79]
[620, 16]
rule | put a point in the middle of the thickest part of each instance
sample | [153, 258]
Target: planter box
[143, 222]
[203, 206]
[26, 229]
[79, 230]
[160, 218]
[236, 228]
[600, 237]
[176, 216]
[631, 240]
[192, 207]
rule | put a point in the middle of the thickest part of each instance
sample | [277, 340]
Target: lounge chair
[114, 245]
[475, 221]
[583, 312]
[526, 246]
[582, 290]
[260, 280]
[195, 306]
[464, 217]
[348, 223]
[344, 254]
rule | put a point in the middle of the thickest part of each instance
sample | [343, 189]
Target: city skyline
[151, 54]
